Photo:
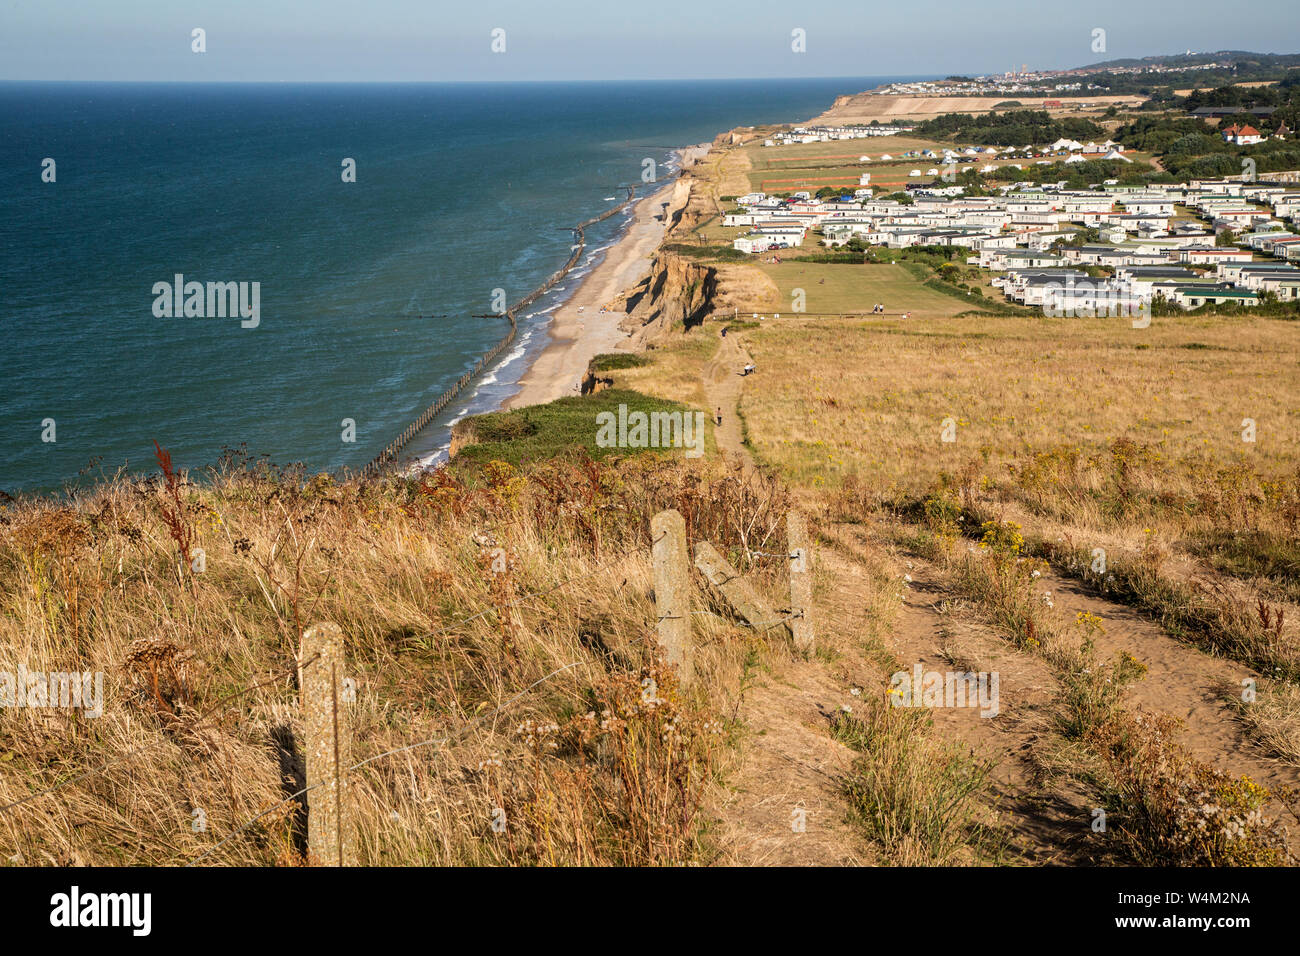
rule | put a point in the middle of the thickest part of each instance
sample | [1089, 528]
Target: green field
[856, 288]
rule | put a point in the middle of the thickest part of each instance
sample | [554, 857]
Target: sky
[438, 40]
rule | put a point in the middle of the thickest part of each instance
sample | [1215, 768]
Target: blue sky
[405, 40]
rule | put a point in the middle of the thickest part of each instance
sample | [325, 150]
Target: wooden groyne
[389, 456]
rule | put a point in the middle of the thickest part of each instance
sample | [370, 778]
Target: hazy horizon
[402, 41]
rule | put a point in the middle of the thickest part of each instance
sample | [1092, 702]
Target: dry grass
[921, 799]
[1167, 806]
[457, 595]
[840, 397]
[1274, 716]
[1112, 438]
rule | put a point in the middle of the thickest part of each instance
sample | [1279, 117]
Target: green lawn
[856, 288]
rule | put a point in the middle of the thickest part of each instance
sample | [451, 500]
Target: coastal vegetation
[520, 687]
[1100, 443]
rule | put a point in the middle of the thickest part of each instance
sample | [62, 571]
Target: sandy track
[722, 384]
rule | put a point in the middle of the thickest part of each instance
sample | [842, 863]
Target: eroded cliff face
[678, 292]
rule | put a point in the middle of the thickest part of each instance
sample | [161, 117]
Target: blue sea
[374, 294]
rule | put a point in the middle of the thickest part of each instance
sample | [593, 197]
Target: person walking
[717, 416]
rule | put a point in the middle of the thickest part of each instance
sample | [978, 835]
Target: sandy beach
[578, 330]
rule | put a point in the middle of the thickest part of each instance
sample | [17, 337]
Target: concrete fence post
[672, 583]
[331, 836]
[738, 592]
[801, 625]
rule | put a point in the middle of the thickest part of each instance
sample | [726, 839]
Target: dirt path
[1046, 823]
[790, 762]
[783, 805]
[791, 771]
[723, 384]
[1185, 683]
[940, 631]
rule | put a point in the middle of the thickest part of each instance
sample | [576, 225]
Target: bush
[1174, 810]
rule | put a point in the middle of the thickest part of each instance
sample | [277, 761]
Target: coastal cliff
[677, 291]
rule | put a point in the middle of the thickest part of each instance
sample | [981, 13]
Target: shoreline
[578, 330]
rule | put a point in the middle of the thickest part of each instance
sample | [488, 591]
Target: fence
[394, 448]
[326, 693]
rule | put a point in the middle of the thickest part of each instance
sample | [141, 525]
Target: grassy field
[781, 169]
[1184, 385]
[489, 615]
[810, 166]
[856, 288]
[999, 456]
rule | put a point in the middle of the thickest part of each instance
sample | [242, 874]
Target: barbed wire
[792, 556]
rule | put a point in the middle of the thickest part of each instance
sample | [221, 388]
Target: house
[1162, 207]
[1003, 259]
[1244, 273]
[1286, 288]
[763, 239]
[1242, 135]
[1209, 255]
[1253, 279]
[1141, 281]
[1192, 297]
